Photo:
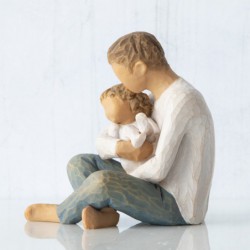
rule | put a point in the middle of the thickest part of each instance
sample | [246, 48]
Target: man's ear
[139, 69]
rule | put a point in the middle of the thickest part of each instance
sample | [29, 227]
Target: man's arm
[110, 147]
[125, 150]
[172, 132]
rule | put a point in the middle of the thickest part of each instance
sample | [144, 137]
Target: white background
[53, 68]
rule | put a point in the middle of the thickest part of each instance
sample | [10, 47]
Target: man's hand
[124, 149]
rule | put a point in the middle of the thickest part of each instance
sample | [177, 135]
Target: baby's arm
[132, 133]
[134, 148]
[154, 130]
[147, 126]
[106, 142]
[113, 130]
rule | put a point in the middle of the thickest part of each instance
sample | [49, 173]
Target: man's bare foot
[93, 218]
[41, 212]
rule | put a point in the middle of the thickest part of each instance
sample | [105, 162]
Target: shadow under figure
[170, 186]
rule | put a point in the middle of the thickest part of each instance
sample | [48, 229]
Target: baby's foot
[41, 212]
[93, 218]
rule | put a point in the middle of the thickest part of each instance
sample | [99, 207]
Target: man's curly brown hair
[139, 102]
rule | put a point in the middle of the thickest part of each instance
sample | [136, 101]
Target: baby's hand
[138, 140]
[134, 135]
[142, 123]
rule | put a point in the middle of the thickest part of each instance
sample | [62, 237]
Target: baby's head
[121, 105]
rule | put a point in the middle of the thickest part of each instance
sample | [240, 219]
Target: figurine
[170, 188]
[129, 114]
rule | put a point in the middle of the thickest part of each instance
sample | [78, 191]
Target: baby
[129, 114]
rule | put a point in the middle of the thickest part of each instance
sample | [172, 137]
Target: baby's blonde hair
[139, 102]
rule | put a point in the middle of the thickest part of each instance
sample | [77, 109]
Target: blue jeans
[104, 183]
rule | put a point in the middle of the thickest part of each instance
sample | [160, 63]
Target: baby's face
[117, 110]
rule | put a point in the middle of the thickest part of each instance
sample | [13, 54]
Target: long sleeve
[176, 119]
[106, 144]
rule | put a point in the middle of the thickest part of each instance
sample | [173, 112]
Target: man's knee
[104, 179]
[76, 161]
[73, 162]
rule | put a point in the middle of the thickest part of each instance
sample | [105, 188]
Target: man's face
[131, 81]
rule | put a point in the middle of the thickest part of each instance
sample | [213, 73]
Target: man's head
[121, 105]
[133, 55]
[137, 46]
